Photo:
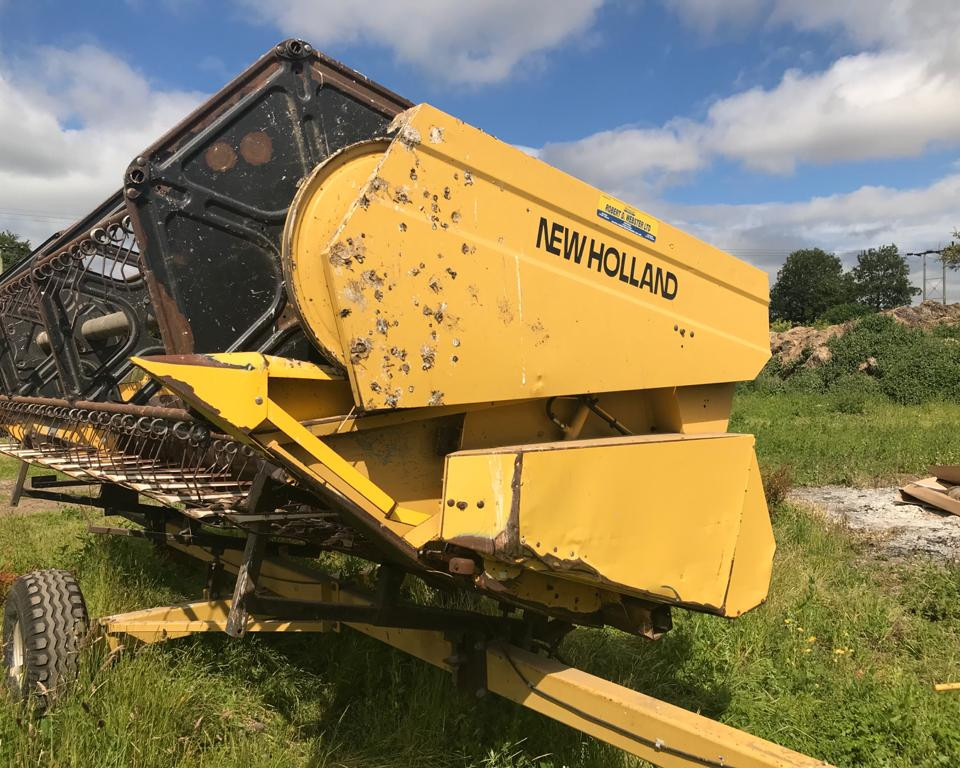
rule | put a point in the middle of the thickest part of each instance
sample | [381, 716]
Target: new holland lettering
[559, 240]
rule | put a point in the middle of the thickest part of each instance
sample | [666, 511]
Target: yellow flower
[812, 639]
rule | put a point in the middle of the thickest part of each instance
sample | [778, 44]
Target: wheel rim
[17, 659]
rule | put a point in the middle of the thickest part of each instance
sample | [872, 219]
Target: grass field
[839, 663]
[827, 439]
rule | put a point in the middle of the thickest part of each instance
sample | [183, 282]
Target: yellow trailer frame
[661, 733]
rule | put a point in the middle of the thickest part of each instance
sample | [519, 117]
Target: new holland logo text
[618, 265]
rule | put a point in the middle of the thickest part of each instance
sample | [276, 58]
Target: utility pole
[928, 292]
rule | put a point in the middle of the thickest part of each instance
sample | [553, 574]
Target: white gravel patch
[898, 527]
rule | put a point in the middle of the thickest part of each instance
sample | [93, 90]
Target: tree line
[813, 287]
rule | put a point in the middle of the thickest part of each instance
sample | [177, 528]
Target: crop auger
[319, 318]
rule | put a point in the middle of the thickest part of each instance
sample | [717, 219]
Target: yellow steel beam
[170, 622]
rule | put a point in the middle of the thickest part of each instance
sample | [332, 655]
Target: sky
[762, 126]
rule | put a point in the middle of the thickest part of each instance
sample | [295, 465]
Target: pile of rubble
[811, 343]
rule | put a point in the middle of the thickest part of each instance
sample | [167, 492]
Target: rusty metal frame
[81, 275]
[225, 177]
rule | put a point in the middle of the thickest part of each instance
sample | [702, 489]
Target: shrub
[805, 380]
[777, 484]
[912, 365]
[841, 313]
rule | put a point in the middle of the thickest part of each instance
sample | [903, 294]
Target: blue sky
[761, 125]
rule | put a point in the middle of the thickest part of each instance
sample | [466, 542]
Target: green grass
[348, 700]
[849, 441]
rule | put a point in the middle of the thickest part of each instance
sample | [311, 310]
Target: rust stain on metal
[508, 541]
[220, 157]
[480, 544]
[503, 308]
[174, 326]
[256, 147]
[372, 279]
[344, 253]
[406, 133]
[204, 361]
[428, 355]
[360, 349]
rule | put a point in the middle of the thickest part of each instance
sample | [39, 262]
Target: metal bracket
[246, 585]
[17, 491]
[468, 664]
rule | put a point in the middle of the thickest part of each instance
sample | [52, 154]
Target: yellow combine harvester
[465, 366]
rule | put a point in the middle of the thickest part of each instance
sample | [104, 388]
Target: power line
[37, 216]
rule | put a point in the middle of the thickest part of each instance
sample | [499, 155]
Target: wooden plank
[949, 473]
[932, 492]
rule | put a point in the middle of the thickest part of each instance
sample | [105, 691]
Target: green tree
[12, 248]
[881, 279]
[809, 282]
[951, 254]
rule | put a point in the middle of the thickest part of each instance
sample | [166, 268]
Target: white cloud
[71, 122]
[896, 100]
[883, 105]
[763, 234]
[710, 16]
[653, 155]
[484, 41]
[897, 97]
[891, 23]
[844, 223]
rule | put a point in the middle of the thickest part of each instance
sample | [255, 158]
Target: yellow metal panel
[753, 559]
[477, 281]
[478, 497]
[402, 457]
[692, 410]
[658, 516]
[316, 209]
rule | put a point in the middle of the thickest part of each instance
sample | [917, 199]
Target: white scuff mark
[497, 471]
[523, 366]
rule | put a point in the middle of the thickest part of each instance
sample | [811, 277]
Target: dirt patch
[897, 527]
[25, 507]
[811, 343]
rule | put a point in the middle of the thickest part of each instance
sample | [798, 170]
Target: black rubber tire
[48, 610]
